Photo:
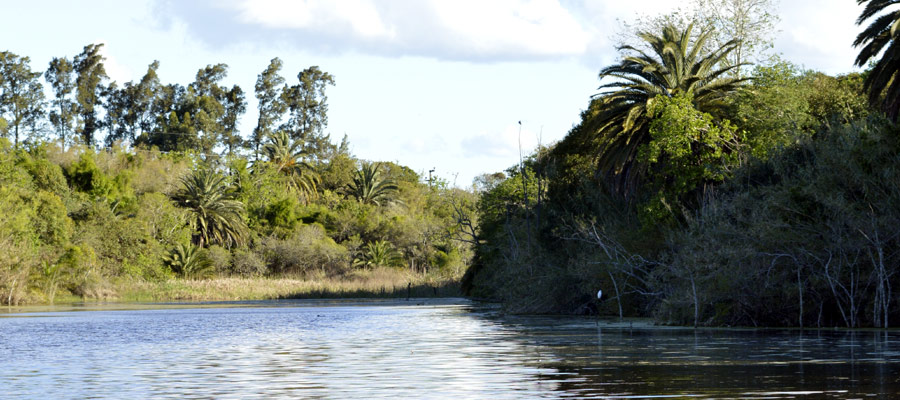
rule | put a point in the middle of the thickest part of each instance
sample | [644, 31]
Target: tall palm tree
[617, 119]
[286, 156]
[215, 215]
[880, 36]
[369, 187]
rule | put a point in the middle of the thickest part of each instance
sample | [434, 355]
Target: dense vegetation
[700, 190]
[696, 189]
[106, 186]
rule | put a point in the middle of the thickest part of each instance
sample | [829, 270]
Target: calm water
[394, 350]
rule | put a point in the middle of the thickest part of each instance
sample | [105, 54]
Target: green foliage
[307, 250]
[369, 187]
[308, 108]
[839, 99]
[122, 243]
[878, 41]
[220, 259]
[78, 218]
[784, 105]
[190, 261]
[235, 104]
[271, 105]
[378, 254]
[21, 94]
[774, 110]
[154, 172]
[803, 246]
[164, 221]
[45, 174]
[751, 23]
[86, 177]
[90, 84]
[617, 122]
[60, 76]
[794, 234]
[51, 222]
[282, 216]
[338, 173]
[215, 215]
[285, 156]
[17, 244]
[248, 263]
[129, 110]
[80, 265]
[687, 150]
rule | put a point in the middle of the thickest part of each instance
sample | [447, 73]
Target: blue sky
[427, 83]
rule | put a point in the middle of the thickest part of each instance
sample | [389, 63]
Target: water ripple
[423, 352]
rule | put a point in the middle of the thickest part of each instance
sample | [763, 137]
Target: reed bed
[378, 283]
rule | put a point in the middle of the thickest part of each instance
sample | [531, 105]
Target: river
[444, 349]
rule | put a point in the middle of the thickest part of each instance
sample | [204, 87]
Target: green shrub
[248, 263]
[220, 258]
[85, 176]
[307, 250]
[82, 273]
[189, 261]
[379, 254]
[51, 222]
[45, 175]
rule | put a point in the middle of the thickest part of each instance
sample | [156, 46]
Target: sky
[459, 86]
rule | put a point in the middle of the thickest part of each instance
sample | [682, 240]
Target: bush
[806, 245]
[82, 275]
[247, 263]
[51, 222]
[307, 250]
[45, 175]
[190, 261]
[220, 259]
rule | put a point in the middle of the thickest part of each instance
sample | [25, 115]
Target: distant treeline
[173, 189]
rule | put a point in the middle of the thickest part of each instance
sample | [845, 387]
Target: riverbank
[376, 283]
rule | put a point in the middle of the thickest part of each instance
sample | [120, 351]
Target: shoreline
[271, 303]
[371, 284]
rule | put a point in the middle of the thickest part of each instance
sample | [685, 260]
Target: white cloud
[116, 70]
[538, 27]
[360, 16]
[467, 30]
[816, 33]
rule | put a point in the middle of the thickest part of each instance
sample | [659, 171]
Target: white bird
[599, 294]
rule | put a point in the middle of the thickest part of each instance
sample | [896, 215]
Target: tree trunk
[696, 302]
[618, 295]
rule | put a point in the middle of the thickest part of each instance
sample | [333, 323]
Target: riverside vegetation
[174, 204]
[696, 189]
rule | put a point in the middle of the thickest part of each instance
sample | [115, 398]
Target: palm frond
[676, 63]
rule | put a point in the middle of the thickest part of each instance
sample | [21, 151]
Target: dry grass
[379, 283]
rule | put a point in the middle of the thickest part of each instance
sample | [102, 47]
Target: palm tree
[369, 187]
[189, 261]
[617, 120]
[877, 37]
[215, 215]
[379, 254]
[286, 156]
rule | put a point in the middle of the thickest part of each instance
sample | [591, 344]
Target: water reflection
[450, 351]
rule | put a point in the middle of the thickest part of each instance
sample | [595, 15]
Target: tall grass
[377, 283]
